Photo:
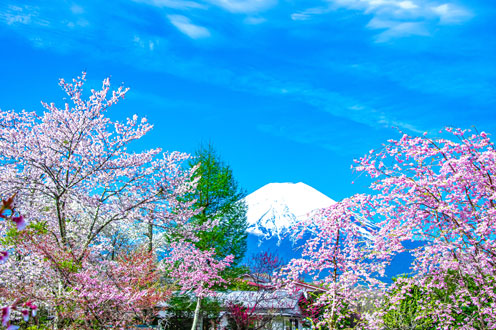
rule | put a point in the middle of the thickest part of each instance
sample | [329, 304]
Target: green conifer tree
[219, 197]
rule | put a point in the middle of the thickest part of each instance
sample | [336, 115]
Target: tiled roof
[262, 299]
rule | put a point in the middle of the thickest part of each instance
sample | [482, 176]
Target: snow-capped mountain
[273, 208]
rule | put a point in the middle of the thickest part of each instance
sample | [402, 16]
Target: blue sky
[285, 90]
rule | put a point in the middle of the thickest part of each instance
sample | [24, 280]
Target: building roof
[278, 301]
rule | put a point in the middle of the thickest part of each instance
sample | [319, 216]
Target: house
[262, 308]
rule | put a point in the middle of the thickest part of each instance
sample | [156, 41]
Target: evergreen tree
[219, 197]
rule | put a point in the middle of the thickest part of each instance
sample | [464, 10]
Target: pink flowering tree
[75, 178]
[16, 222]
[339, 254]
[263, 264]
[195, 271]
[441, 192]
[117, 293]
[244, 317]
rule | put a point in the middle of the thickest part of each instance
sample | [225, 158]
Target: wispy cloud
[184, 24]
[145, 43]
[22, 15]
[244, 6]
[395, 29]
[309, 13]
[242, 68]
[451, 14]
[399, 18]
[336, 103]
[254, 20]
[233, 6]
[176, 4]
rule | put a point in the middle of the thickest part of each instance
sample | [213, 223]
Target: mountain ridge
[271, 213]
[275, 207]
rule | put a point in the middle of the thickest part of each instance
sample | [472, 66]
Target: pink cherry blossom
[32, 306]
[25, 314]
[19, 221]
[6, 315]
[440, 192]
[3, 256]
[91, 201]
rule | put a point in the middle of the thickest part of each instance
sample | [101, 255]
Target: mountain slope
[273, 208]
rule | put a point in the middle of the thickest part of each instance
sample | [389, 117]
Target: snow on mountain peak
[273, 208]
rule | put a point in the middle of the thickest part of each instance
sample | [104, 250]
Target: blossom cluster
[7, 212]
[94, 203]
[440, 193]
[194, 270]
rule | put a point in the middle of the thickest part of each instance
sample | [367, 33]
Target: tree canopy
[219, 199]
[77, 184]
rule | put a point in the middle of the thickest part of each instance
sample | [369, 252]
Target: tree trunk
[197, 313]
[150, 236]
[57, 320]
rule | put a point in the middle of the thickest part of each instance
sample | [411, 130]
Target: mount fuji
[275, 207]
[272, 210]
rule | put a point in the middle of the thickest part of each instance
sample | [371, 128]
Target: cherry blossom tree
[243, 317]
[118, 293]
[16, 222]
[440, 192]
[339, 254]
[75, 178]
[263, 264]
[256, 310]
[195, 271]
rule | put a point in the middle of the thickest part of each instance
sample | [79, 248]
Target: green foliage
[218, 196]
[184, 307]
[69, 266]
[181, 311]
[314, 314]
[42, 321]
[12, 235]
[466, 308]
[37, 227]
[237, 284]
[406, 313]
[418, 307]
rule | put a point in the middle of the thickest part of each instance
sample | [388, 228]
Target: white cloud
[12, 19]
[308, 13]
[15, 15]
[451, 14]
[176, 4]
[395, 29]
[255, 20]
[407, 5]
[26, 15]
[300, 17]
[145, 43]
[389, 8]
[244, 6]
[183, 24]
[399, 18]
